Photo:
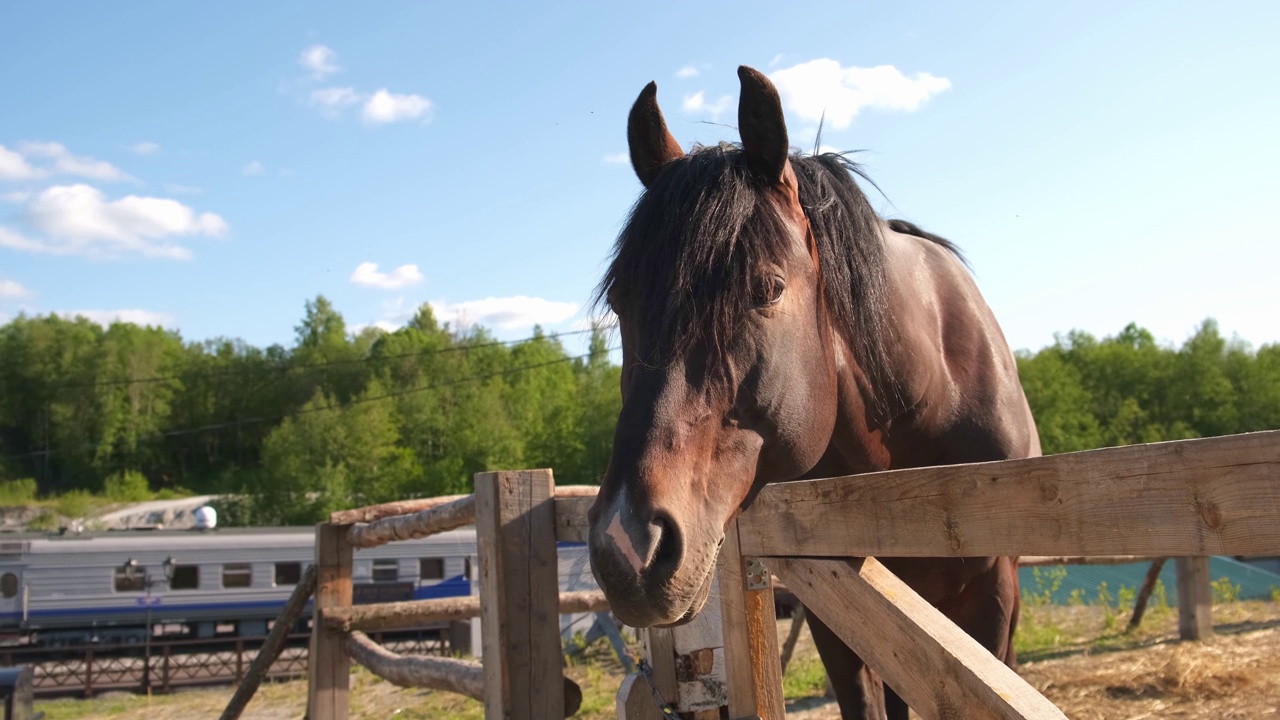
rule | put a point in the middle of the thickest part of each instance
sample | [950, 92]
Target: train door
[13, 601]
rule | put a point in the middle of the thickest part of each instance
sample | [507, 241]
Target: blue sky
[212, 166]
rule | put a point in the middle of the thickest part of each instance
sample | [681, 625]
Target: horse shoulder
[975, 399]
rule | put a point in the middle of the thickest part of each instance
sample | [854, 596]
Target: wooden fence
[521, 674]
[1186, 499]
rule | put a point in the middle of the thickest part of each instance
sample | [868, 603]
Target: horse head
[729, 372]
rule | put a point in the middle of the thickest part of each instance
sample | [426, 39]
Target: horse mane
[686, 256]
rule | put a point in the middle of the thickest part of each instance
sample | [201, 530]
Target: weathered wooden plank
[329, 675]
[1041, 560]
[752, 667]
[933, 665]
[660, 649]
[519, 591]
[635, 700]
[391, 509]
[407, 507]
[272, 646]
[571, 518]
[1213, 496]
[412, 613]
[1195, 600]
[434, 520]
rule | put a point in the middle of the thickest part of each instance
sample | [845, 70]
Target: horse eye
[768, 290]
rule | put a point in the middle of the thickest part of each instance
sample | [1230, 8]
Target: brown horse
[775, 328]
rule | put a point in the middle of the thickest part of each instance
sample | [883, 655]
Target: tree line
[342, 419]
[337, 420]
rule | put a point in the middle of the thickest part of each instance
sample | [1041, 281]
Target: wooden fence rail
[521, 677]
[1187, 499]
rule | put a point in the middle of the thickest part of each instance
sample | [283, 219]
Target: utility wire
[306, 411]
[311, 366]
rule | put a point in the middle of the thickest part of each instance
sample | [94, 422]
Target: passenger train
[109, 587]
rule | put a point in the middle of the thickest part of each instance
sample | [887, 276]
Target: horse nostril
[670, 543]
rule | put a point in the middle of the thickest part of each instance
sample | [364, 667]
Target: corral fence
[519, 602]
[1186, 499]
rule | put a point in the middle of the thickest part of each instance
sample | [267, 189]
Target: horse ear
[651, 144]
[761, 125]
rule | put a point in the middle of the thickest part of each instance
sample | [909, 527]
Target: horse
[775, 328]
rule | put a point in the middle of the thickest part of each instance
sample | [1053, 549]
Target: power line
[311, 366]
[306, 411]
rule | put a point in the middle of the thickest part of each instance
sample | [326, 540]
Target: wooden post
[519, 595]
[330, 667]
[1195, 602]
[750, 628]
[659, 645]
[688, 669]
[789, 647]
[1144, 593]
[270, 649]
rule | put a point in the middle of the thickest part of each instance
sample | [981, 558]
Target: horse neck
[879, 414]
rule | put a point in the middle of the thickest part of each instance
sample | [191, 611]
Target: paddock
[1185, 499]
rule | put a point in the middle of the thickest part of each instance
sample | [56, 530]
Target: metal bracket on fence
[757, 578]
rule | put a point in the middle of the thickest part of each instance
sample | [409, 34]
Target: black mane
[686, 256]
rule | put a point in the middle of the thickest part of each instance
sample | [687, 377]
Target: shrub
[18, 492]
[126, 486]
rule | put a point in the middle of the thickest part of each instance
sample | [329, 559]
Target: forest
[342, 419]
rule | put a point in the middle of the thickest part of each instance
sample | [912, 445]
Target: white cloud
[823, 86]
[776, 59]
[12, 290]
[618, 158]
[79, 220]
[333, 100]
[14, 241]
[383, 325]
[508, 313]
[607, 323]
[67, 164]
[145, 148]
[15, 167]
[387, 107]
[697, 103]
[15, 197]
[687, 71]
[367, 274]
[106, 317]
[253, 168]
[177, 189]
[320, 60]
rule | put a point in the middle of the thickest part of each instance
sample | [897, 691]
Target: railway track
[168, 664]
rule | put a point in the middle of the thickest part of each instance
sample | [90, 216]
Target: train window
[431, 569]
[185, 577]
[387, 570]
[288, 573]
[237, 575]
[130, 578]
[8, 585]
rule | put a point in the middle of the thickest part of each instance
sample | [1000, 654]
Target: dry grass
[1090, 673]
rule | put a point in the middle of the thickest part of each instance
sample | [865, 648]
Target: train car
[110, 587]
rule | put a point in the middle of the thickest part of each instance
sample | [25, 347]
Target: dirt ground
[1233, 676]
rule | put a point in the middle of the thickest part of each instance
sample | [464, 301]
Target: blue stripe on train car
[453, 587]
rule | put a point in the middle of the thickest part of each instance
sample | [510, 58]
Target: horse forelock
[684, 262]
